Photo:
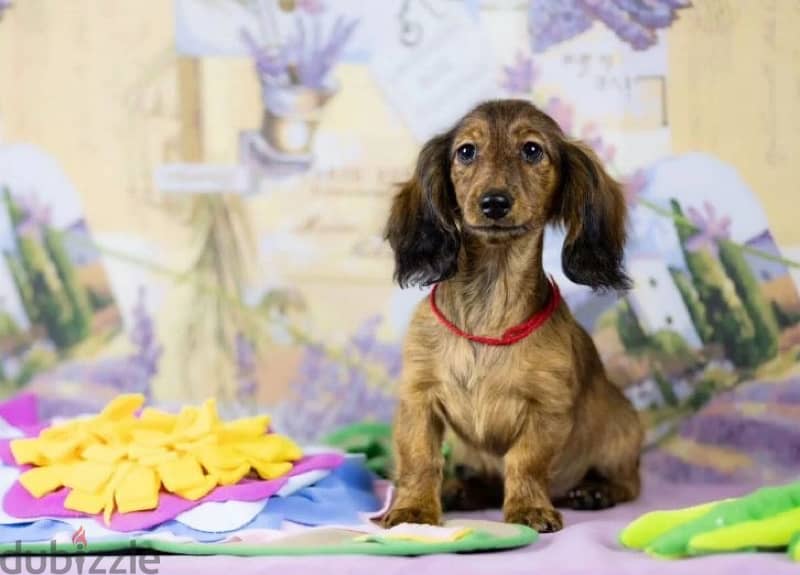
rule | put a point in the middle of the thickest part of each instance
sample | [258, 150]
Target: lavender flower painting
[4, 6]
[63, 390]
[295, 74]
[147, 351]
[519, 77]
[328, 394]
[58, 302]
[635, 23]
[710, 228]
[706, 344]
[756, 446]
[246, 369]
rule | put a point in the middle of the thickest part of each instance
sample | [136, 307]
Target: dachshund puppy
[533, 417]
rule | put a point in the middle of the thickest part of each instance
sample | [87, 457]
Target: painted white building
[656, 300]
[765, 270]
[682, 388]
[645, 395]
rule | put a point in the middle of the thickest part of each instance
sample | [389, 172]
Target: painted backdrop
[192, 195]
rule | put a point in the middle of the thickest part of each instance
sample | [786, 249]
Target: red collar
[512, 334]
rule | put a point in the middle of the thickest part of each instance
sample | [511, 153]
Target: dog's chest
[477, 394]
[470, 368]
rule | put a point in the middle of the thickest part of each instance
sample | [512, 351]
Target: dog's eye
[532, 152]
[466, 153]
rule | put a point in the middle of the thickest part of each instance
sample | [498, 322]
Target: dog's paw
[542, 519]
[426, 515]
[588, 498]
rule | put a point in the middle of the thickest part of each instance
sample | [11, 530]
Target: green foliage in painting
[665, 388]
[8, 327]
[761, 315]
[49, 298]
[630, 331]
[731, 325]
[46, 281]
[692, 301]
[23, 285]
[81, 312]
[36, 361]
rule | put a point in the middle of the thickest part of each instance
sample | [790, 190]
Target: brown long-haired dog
[536, 421]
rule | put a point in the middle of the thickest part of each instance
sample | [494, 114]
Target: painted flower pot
[291, 116]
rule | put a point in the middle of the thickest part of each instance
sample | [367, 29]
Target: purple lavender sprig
[551, 23]
[633, 21]
[4, 5]
[304, 59]
[314, 66]
[328, 394]
[35, 215]
[145, 359]
[711, 229]
[142, 336]
[520, 76]
[626, 24]
[246, 367]
[269, 65]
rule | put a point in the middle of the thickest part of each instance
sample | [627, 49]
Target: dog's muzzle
[495, 204]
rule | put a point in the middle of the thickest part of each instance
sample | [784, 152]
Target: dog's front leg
[418, 435]
[527, 473]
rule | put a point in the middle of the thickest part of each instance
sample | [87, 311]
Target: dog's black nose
[495, 204]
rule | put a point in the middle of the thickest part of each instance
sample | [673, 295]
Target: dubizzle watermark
[18, 561]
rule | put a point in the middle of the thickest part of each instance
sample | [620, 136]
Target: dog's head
[504, 171]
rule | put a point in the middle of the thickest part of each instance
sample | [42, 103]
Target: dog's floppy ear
[591, 205]
[422, 229]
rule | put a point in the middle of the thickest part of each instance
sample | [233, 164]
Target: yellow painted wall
[735, 92]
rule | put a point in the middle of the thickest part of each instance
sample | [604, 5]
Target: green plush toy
[374, 441]
[767, 519]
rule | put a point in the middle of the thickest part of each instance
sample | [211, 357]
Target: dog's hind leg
[613, 476]
[596, 491]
